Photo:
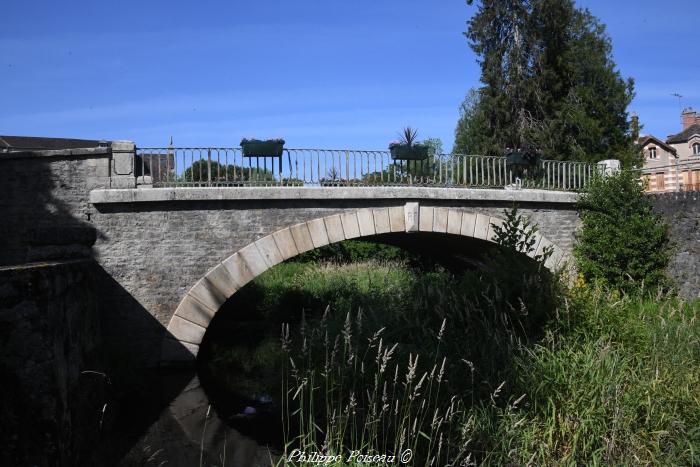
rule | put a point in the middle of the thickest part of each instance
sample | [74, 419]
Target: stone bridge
[182, 252]
[97, 272]
[166, 259]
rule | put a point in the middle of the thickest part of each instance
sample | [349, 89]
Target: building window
[660, 182]
[652, 152]
[696, 149]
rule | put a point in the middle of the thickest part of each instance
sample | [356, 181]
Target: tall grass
[523, 372]
[349, 393]
[616, 381]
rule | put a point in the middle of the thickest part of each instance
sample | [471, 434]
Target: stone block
[396, 219]
[411, 216]
[544, 243]
[440, 220]
[351, 228]
[123, 153]
[425, 219]
[269, 251]
[468, 224]
[221, 280]
[122, 182]
[195, 311]
[238, 269]
[454, 221]
[255, 263]
[493, 221]
[285, 243]
[317, 230]
[206, 293]
[535, 246]
[554, 258]
[564, 262]
[481, 226]
[381, 221]
[186, 331]
[334, 227]
[302, 237]
[365, 221]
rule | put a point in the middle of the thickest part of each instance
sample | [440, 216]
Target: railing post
[609, 167]
[208, 166]
[122, 167]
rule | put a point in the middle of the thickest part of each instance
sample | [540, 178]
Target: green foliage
[470, 137]
[549, 83]
[351, 251]
[225, 173]
[409, 135]
[605, 379]
[416, 171]
[616, 382]
[518, 234]
[622, 242]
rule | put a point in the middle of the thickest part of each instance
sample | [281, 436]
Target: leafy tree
[549, 83]
[622, 242]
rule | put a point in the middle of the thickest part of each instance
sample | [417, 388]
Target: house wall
[657, 173]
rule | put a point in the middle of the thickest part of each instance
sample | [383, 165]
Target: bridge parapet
[230, 167]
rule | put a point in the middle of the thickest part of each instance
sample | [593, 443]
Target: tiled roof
[684, 135]
[653, 139]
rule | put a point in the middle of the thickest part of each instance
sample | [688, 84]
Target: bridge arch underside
[189, 323]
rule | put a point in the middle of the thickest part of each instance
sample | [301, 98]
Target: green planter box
[262, 148]
[404, 152]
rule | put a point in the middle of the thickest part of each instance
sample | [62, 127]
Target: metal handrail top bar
[237, 148]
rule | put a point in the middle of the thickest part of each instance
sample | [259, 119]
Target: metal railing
[220, 167]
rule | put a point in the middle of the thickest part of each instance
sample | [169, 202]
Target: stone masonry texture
[150, 253]
[49, 333]
[682, 213]
[156, 252]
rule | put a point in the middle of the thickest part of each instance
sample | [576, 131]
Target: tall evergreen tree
[549, 83]
[498, 33]
[470, 135]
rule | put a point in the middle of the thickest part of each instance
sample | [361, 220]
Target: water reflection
[190, 433]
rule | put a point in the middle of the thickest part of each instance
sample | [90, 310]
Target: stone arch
[194, 313]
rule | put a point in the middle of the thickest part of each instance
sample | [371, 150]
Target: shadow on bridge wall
[59, 314]
[44, 205]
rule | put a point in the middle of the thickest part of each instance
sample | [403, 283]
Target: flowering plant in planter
[408, 148]
[253, 147]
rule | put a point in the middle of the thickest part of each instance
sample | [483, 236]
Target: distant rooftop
[684, 135]
[24, 143]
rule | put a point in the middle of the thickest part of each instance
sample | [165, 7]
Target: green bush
[622, 242]
[351, 251]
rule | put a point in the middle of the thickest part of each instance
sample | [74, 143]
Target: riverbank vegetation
[501, 363]
[606, 378]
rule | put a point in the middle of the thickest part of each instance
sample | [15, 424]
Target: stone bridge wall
[153, 245]
[156, 244]
[682, 212]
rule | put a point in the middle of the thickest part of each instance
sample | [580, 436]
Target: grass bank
[491, 367]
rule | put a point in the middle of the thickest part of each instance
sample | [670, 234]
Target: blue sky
[323, 73]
